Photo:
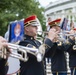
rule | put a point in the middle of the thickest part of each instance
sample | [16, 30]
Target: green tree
[12, 10]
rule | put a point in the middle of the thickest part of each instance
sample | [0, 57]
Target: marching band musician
[3, 62]
[32, 66]
[72, 54]
[58, 59]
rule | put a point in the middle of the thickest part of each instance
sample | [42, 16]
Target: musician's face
[32, 30]
[57, 28]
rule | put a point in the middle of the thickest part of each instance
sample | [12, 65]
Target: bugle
[63, 37]
[60, 35]
[23, 52]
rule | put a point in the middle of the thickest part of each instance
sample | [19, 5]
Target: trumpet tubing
[23, 52]
[63, 32]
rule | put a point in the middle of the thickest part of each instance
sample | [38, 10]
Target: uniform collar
[28, 37]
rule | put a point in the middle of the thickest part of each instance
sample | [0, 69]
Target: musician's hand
[72, 32]
[52, 34]
[3, 43]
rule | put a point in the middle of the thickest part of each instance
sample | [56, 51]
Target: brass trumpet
[61, 36]
[39, 53]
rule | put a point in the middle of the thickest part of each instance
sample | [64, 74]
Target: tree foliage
[11, 10]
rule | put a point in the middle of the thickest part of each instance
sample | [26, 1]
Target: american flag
[64, 24]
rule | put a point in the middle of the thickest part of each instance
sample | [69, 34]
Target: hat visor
[34, 24]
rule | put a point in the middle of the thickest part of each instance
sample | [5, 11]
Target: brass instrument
[63, 37]
[39, 53]
[67, 35]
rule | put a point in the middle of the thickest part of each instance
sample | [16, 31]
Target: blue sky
[46, 2]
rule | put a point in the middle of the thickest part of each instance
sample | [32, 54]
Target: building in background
[61, 9]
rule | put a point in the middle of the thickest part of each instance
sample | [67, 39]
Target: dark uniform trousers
[32, 66]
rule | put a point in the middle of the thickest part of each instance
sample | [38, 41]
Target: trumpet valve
[25, 57]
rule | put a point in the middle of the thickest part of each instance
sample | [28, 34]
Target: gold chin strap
[56, 73]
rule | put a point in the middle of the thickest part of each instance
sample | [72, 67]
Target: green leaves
[11, 10]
